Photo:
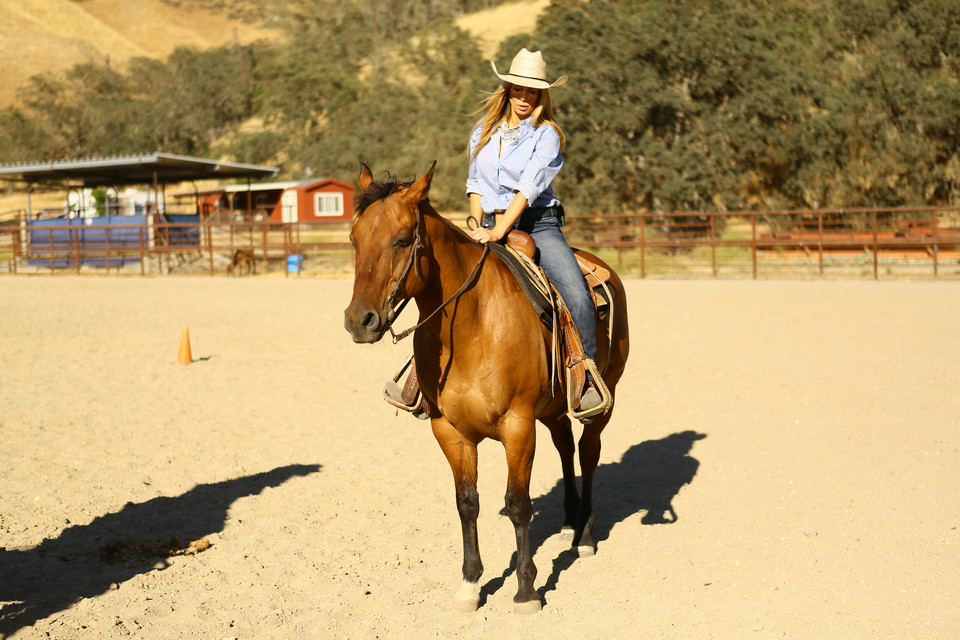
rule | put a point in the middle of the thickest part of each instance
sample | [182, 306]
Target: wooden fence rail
[920, 242]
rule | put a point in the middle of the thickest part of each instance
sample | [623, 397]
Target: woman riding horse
[483, 360]
[515, 153]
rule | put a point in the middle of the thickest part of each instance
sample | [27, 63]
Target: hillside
[493, 25]
[37, 36]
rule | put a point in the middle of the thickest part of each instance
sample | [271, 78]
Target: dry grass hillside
[37, 36]
[493, 25]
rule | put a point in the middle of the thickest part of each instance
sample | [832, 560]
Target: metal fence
[905, 242]
[891, 242]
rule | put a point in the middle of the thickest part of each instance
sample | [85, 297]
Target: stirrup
[393, 393]
[606, 398]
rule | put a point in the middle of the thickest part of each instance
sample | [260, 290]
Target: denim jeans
[558, 262]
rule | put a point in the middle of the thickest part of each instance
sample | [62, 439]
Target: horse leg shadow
[647, 478]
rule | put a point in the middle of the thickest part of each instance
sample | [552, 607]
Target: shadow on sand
[647, 478]
[85, 560]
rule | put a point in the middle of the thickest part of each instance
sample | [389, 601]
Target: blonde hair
[496, 107]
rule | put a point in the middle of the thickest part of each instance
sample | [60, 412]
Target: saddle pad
[532, 289]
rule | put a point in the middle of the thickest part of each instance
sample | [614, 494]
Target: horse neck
[451, 257]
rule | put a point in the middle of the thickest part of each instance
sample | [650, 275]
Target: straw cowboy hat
[529, 70]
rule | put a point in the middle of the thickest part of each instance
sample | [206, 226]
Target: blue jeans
[558, 262]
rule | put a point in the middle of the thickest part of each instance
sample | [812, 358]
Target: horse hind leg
[562, 434]
[589, 458]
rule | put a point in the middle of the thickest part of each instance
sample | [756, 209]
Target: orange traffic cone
[185, 357]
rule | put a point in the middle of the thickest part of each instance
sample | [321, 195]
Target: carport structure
[155, 170]
[115, 240]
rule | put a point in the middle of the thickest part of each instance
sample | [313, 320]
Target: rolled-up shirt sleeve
[473, 180]
[544, 164]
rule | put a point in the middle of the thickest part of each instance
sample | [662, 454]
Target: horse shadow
[85, 561]
[647, 478]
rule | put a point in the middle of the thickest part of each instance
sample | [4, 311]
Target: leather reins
[394, 312]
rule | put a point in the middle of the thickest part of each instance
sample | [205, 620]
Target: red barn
[315, 200]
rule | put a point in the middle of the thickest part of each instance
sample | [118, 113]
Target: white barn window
[328, 204]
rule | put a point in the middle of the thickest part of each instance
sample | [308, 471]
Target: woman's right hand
[484, 236]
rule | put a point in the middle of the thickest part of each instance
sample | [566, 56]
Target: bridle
[391, 299]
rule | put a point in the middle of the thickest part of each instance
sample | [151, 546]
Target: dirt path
[805, 436]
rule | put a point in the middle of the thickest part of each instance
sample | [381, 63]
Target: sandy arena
[784, 462]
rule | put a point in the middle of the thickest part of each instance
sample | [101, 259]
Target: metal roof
[135, 169]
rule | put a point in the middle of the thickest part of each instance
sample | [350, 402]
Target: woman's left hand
[484, 236]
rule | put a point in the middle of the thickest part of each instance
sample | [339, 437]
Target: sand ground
[783, 463]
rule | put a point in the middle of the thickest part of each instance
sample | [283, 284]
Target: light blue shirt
[527, 166]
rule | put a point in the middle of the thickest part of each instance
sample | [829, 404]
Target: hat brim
[523, 81]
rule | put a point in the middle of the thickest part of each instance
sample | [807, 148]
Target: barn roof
[134, 169]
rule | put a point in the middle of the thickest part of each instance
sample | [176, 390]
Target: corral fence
[914, 242]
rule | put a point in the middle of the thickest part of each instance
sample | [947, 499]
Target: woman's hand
[484, 236]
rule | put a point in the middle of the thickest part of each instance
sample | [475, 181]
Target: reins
[393, 313]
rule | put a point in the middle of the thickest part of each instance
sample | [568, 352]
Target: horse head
[386, 238]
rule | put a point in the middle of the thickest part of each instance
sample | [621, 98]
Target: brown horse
[243, 261]
[483, 361]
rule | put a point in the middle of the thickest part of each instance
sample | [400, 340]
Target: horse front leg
[520, 444]
[461, 453]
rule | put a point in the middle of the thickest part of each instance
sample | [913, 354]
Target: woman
[515, 153]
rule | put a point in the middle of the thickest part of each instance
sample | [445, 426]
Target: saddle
[519, 256]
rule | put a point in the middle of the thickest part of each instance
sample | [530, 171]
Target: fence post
[286, 251]
[619, 243]
[820, 240]
[143, 267]
[936, 246]
[25, 237]
[643, 245]
[106, 242]
[713, 243]
[263, 227]
[73, 237]
[15, 238]
[209, 233]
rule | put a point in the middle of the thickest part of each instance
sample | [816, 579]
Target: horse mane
[379, 190]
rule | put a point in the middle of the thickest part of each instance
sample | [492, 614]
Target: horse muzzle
[365, 324]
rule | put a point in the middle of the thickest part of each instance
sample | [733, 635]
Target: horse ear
[366, 177]
[419, 189]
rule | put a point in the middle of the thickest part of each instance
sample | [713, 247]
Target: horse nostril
[371, 322]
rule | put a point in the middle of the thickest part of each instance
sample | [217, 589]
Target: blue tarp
[61, 242]
[185, 235]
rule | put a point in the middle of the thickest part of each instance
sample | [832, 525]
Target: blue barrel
[294, 263]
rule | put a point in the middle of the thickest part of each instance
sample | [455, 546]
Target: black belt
[529, 215]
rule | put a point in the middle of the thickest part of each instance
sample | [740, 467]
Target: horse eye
[403, 242]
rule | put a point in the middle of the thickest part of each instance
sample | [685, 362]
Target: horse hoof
[527, 608]
[467, 599]
[586, 551]
[566, 533]
[465, 606]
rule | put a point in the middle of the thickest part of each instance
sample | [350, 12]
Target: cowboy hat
[529, 70]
